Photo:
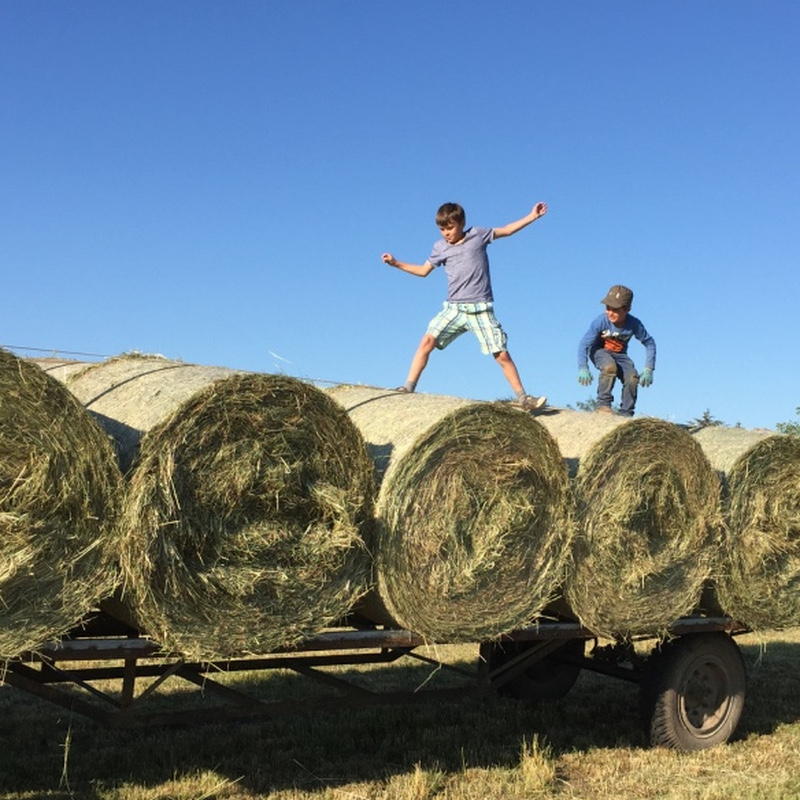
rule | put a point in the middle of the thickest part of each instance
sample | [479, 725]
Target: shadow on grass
[43, 743]
[310, 751]
[773, 679]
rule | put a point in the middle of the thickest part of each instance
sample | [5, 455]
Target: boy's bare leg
[420, 360]
[509, 368]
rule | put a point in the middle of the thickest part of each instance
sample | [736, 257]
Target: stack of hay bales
[473, 513]
[648, 521]
[248, 504]
[759, 583]
[59, 500]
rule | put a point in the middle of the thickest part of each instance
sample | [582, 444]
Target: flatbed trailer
[692, 681]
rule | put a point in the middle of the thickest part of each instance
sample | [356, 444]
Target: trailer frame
[535, 663]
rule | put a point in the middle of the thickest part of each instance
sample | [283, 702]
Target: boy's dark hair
[449, 213]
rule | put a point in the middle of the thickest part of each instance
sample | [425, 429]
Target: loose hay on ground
[248, 504]
[59, 499]
[760, 473]
[648, 522]
[473, 512]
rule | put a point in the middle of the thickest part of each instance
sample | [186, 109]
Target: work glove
[584, 377]
[646, 378]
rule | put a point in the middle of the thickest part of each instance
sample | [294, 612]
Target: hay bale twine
[759, 584]
[473, 514]
[59, 499]
[61, 368]
[249, 499]
[131, 394]
[648, 521]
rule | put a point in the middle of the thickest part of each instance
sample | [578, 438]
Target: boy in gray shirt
[470, 302]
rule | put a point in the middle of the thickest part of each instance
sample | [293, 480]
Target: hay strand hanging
[473, 522]
[760, 582]
[248, 504]
[59, 499]
[648, 522]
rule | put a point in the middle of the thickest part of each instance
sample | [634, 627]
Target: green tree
[792, 428]
[584, 405]
[704, 421]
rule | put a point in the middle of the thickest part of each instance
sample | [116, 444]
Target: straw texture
[647, 505]
[59, 499]
[473, 522]
[248, 505]
[759, 583]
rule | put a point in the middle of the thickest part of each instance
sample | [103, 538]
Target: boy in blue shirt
[470, 303]
[606, 345]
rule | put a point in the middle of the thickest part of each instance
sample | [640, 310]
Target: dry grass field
[587, 745]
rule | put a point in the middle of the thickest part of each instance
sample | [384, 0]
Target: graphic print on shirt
[614, 341]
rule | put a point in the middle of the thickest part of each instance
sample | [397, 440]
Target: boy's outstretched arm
[539, 210]
[420, 270]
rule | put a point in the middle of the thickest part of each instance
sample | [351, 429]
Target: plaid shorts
[457, 318]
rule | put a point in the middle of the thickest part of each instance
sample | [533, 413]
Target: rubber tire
[693, 692]
[550, 678]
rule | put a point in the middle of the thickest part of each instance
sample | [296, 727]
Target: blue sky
[217, 181]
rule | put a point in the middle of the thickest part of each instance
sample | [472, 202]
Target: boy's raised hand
[388, 258]
[539, 210]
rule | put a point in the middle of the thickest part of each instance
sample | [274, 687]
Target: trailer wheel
[693, 692]
[548, 678]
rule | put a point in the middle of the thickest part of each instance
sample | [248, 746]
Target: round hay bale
[724, 446]
[473, 512]
[59, 500]
[648, 521]
[249, 499]
[576, 432]
[60, 368]
[130, 394]
[759, 583]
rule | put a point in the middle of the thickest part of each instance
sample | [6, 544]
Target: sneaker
[604, 410]
[531, 403]
[402, 390]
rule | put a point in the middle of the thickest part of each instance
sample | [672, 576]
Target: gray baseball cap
[618, 296]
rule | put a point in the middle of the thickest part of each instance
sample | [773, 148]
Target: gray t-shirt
[466, 265]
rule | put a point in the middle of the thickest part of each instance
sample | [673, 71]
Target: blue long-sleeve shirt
[601, 330]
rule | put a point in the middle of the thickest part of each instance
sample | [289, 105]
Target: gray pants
[610, 367]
